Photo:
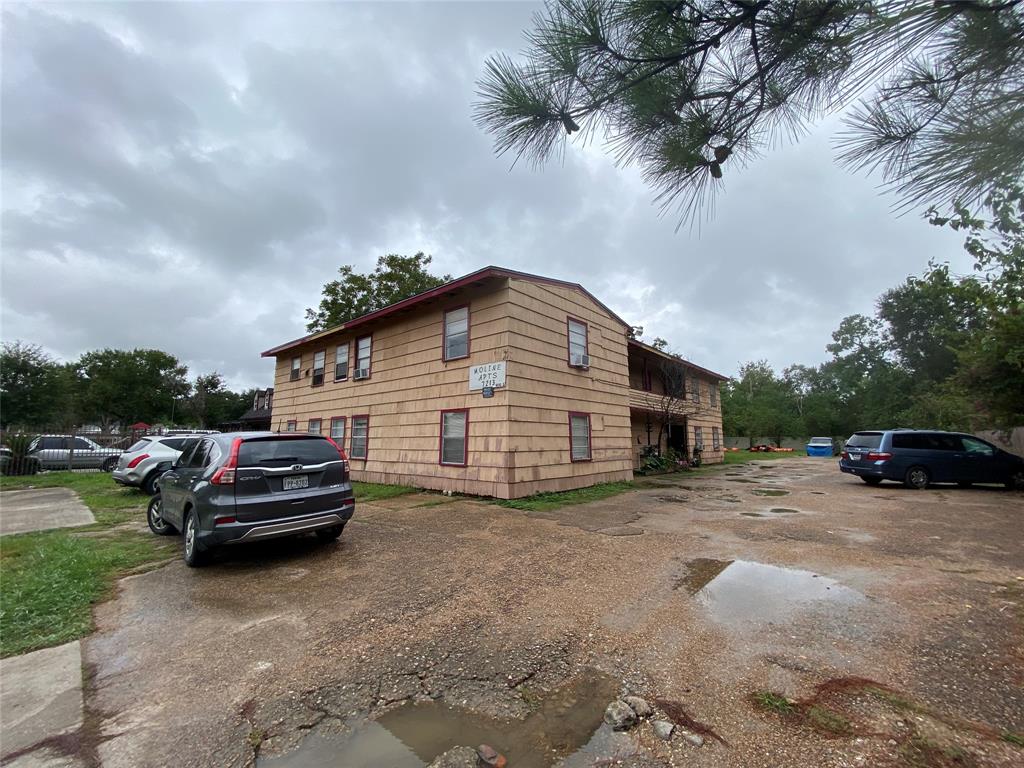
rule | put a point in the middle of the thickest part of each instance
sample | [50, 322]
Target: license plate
[299, 481]
[854, 457]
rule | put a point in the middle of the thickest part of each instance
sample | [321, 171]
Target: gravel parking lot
[795, 615]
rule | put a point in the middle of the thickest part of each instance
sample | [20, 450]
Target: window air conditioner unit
[580, 361]
[361, 373]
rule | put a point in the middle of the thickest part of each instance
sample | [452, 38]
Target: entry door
[677, 434]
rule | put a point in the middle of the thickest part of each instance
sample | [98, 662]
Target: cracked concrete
[486, 608]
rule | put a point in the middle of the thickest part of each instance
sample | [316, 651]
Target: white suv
[149, 457]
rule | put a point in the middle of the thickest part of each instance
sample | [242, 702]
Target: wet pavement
[462, 617]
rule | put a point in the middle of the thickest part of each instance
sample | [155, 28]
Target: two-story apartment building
[498, 383]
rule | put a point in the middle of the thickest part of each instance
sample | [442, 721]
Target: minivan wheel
[872, 480]
[916, 478]
[330, 534]
[194, 554]
[154, 516]
[109, 465]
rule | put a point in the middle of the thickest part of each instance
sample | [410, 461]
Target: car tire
[149, 485]
[193, 552]
[917, 478]
[872, 480]
[109, 465]
[330, 534]
[157, 524]
[1015, 482]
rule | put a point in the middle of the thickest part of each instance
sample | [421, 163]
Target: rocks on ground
[456, 757]
[663, 729]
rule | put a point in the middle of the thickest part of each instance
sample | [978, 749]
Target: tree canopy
[687, 90]
[395, 278]
[941, 350]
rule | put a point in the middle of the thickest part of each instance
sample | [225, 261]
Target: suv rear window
[176, 443]
[300, 450]
[138, 445]
[865, 440]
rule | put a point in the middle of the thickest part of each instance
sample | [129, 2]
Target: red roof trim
[441, 290]
[656, 351]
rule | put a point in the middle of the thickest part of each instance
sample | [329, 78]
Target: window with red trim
[319, 363]
[454, 438]
[456, 333]
[364, 352]
[579, 436]
[360, 447]
[338, 430]
[577, 330]
[296, 370]
[291, 426]
[341, 362]
[314, 426]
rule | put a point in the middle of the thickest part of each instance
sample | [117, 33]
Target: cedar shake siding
[517, 442]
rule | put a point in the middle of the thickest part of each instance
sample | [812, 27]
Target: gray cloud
[186, 176]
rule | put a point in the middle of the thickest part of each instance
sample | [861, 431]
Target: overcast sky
[187, 176]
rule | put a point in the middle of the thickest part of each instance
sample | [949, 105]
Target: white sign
[487, 375]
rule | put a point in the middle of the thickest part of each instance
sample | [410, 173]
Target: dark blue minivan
[918, 458]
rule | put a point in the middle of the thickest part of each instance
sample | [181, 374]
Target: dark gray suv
[250, 486]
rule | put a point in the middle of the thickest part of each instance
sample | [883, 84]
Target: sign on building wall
[487, 375]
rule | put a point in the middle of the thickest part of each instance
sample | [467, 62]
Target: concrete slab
[40, 697]
[45, 758]
[39, 509]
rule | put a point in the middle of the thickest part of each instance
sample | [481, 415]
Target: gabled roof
[450, 287]
[667, 356]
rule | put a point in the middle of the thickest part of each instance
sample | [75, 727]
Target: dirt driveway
[803, 617]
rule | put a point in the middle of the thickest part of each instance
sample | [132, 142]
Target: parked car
[918, 458]
[821, 446]
[13, 465]
[149, 457]
[250, 486]
[71, 452]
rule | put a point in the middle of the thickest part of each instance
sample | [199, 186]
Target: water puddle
[751, 514]
[769, 492]
[742, 592]
[784, 511]
[567, 723]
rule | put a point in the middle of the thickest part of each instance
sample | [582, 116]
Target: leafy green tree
[686, 90]
[990, 373]
[760, 404]
[129, 386]
[211, 402]
[353, 294]
[34, 389]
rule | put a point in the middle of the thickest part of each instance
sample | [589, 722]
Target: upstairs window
[314, 427]
[360, 437]
[577, 341]
[341, 362]
[319, 361]
[296, 371]
[454, 437]
[696, 390]
[456, 333]
[579, 436]
[713, 394]
[364, 348]
[646, 381]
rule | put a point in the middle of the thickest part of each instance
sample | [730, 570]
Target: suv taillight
[341, 453]
[878, 456]
[135, 462]
[226, 474]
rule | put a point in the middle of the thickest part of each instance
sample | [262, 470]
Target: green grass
[828, 720]
[376, 491]
[545, 502]
[774, 702]
[1010, 737]
[742, 457]
[51, 579]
